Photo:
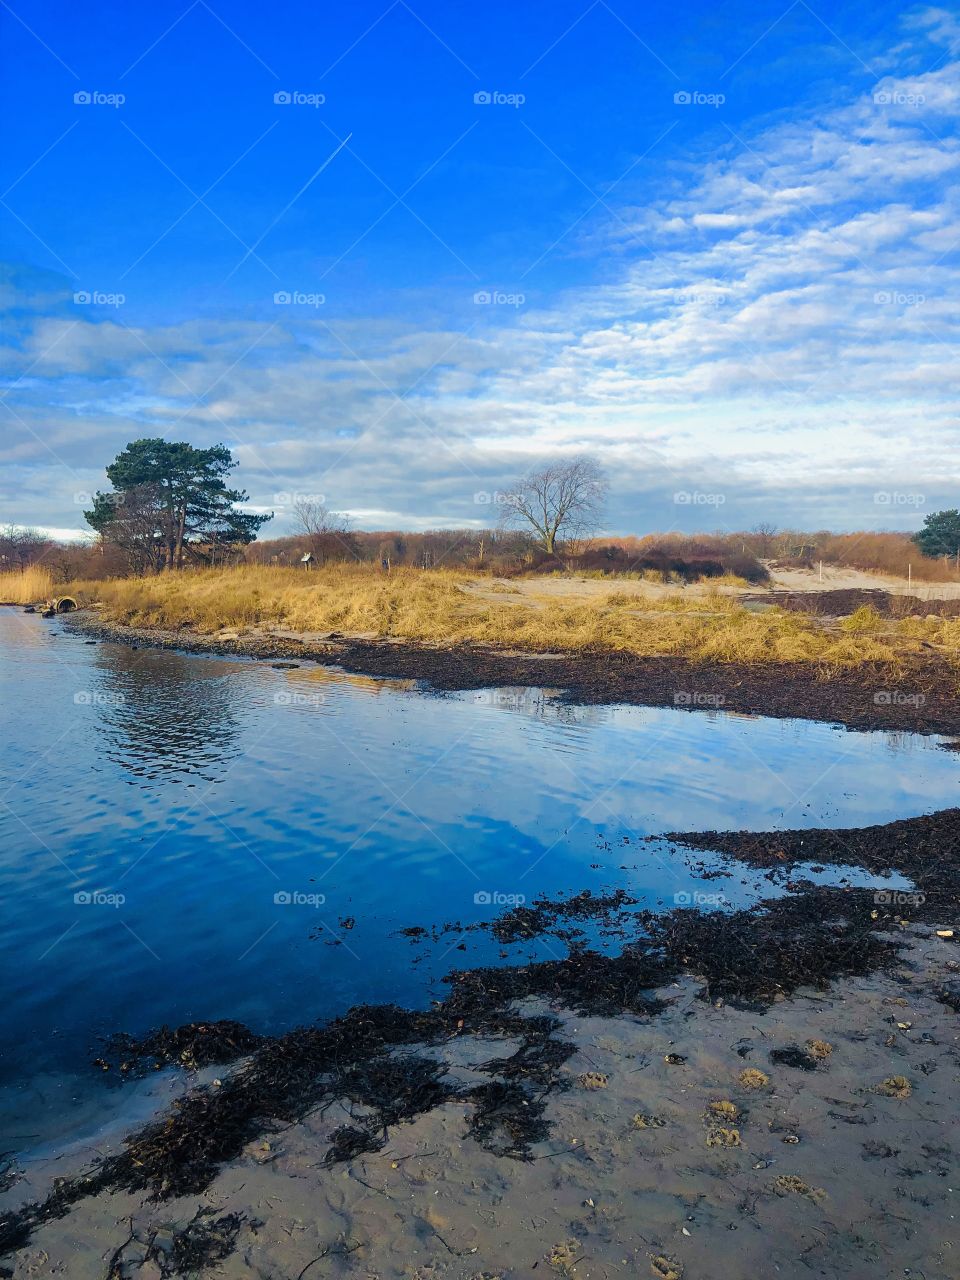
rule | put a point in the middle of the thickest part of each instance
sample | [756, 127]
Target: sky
[396, 254]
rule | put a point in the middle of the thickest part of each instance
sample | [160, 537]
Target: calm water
[184, 837]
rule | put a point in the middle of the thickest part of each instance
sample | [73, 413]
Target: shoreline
[923, 699]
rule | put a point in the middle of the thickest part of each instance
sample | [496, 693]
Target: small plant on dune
[863, 619]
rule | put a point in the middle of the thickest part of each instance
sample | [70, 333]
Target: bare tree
[560, 502]
[764, 535]
[21, 547]
[131, 522]
[327, 532]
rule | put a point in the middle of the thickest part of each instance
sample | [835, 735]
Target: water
[184, 837]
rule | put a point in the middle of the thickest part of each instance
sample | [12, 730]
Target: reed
[27, 587]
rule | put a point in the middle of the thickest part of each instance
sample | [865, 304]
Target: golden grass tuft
[29, 587]
[436, 607]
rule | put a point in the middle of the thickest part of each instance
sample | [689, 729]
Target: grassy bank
[28, 587]
[448, 607]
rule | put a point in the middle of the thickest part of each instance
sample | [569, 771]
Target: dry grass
[28, 587]
[434, 607]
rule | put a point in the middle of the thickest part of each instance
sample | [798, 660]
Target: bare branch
[562, 502]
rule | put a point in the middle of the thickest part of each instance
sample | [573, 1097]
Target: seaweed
[794, 1056]
[397, 1088]
[585, 981]
[193, 1045]
[350, 1141]
[544, 913]
[507, 1119]
[204, 1241]
[753, 957]
[925, 850]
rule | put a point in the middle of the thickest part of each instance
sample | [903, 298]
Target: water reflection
[166, 715]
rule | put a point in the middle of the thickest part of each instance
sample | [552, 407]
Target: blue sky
[714, 245]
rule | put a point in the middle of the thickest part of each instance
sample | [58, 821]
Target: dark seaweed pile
[925, 850]
[287, 1077]
[843, 601]
[543, 915]
[750, 958]
[194, 1045]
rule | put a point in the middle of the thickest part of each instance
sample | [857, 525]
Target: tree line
[170, 505]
